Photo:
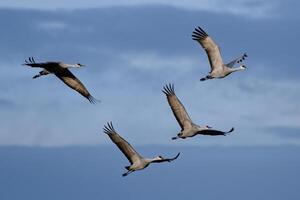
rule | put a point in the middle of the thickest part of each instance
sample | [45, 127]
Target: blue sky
[201, 172]
[131, 49]
[51, 140]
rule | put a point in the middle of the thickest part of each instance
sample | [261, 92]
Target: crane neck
[150, 160]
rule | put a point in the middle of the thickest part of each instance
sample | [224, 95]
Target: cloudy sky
[131, 49]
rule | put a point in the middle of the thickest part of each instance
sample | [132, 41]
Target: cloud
[128, 62]
[52, 25]
[245, 8]
[79, 36]
[151, 61]
[131, 97]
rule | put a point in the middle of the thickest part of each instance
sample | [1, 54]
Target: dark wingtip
[108, 128]
[29, 62]
[177, 155]
[172, 159]
[168, 89]
[199, 34]
[174, 138]
[232, 129]
[93, 100]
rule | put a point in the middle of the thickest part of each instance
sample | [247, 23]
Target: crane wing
[178, 109]
[237, 60]
[122, 144]
[73, 82]
[31, 62]
[211, 48]
[213, 132]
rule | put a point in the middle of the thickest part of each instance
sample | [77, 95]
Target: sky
[213, 173]
[131, 49]
[51, 140]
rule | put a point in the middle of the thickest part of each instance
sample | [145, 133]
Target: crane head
[79, 65]
[159, 158]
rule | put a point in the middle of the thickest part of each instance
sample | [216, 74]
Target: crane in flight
[137, 162]
[61, 71]
[218, 68]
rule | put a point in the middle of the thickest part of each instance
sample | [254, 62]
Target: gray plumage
[218, 68]
[188, 128]
[137, 162]
[61, 70]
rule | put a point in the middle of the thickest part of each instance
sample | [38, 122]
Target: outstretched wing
[237, 60]
[213, 132]
[70, 80]
[31, 62]
[167, 159]
[122, 144]
[178, 109]
[211, 48]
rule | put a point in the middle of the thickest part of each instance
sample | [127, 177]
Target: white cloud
[246, 8]
[51, 25]
[140, 111]
[151, 61]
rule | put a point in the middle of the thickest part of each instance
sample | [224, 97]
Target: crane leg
[41, 73]
[206, 78]
[128, 172]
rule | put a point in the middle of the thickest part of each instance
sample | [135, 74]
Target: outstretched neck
[65, 65]
[150, 160]
[71, 66]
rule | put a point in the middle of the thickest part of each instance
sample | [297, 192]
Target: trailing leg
[206, 78]
[128, 172]
[41, 73]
